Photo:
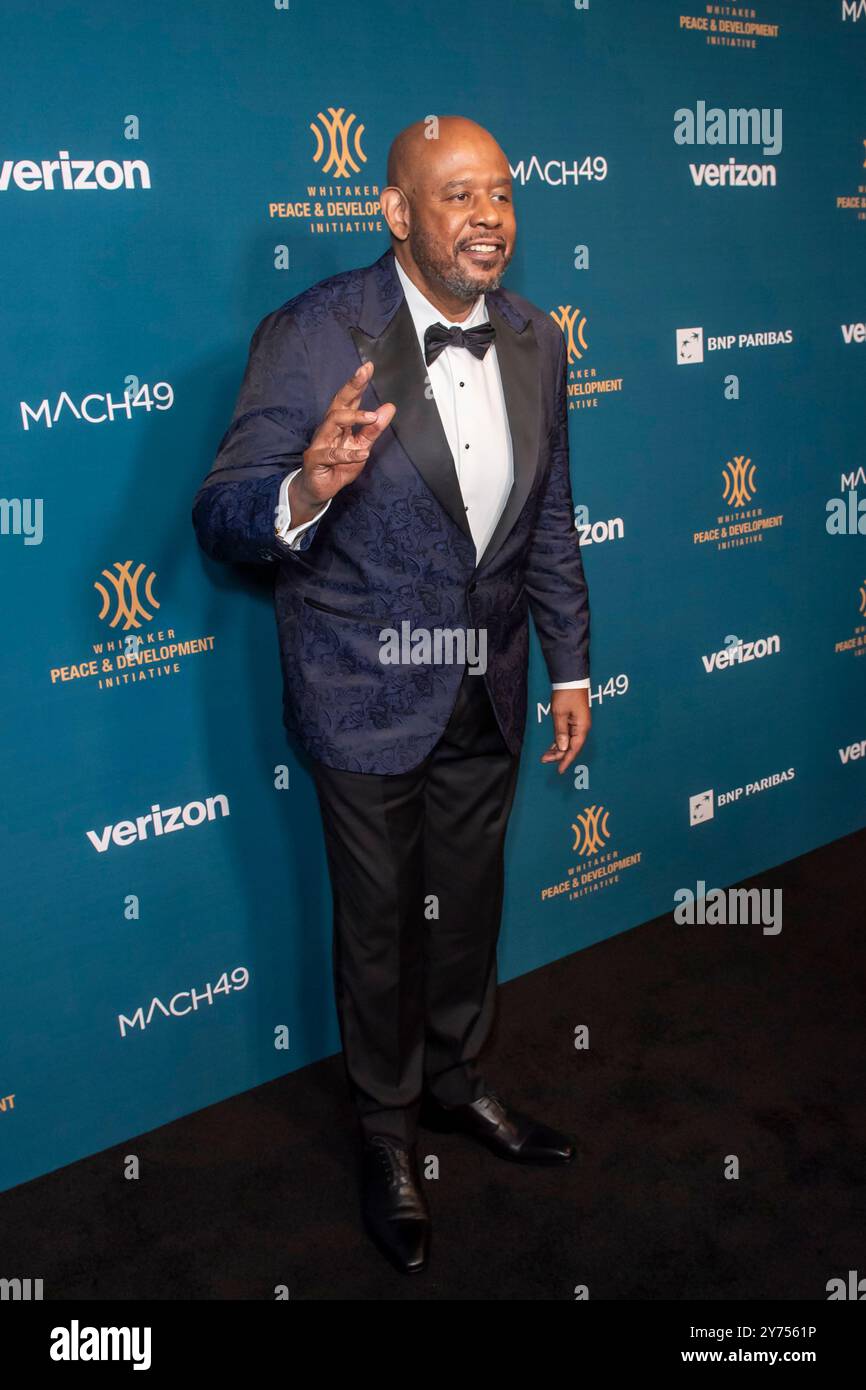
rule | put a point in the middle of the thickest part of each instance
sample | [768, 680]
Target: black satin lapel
[518, 358]
[400, 376]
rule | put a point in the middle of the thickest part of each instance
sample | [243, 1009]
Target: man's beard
[459, 282]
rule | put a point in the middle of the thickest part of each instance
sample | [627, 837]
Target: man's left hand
[571, 724]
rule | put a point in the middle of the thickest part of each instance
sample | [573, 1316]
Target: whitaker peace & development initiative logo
[128, 605]
[598, 865]
[745, 524]
[733, 27]
[584, 385]
[855, 202]
[341, 204]
[856, 643]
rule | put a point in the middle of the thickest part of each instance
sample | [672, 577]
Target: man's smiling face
[463, 227]
[452, 208]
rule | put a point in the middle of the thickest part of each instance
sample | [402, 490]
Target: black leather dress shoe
[393, 1203]
[507, 1132]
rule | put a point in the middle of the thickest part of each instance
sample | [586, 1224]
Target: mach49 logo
[135, 397]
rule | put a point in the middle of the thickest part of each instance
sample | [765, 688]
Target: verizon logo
[853, 332]
[733, 175]
[72, 175]
[159, 822]
[853, 752]
[736, 651]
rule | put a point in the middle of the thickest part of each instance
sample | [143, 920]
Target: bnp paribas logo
[127, 595]
[591, 830]
[739, 481]
[339, 137]
[573, 325]
[690, 345]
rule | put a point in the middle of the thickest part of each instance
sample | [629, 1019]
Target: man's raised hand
[336, 454]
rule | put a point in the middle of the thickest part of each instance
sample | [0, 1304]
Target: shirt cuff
[571, 685]
[288, 533]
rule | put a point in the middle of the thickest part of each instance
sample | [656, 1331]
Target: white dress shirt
[471, 403]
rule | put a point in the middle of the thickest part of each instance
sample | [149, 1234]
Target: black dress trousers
[416, 868]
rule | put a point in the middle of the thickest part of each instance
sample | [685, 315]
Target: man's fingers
[344, 440]
[576, 742]
[344, 418]
[370, 423]
[561, 730]
[571, 724]
[350, 392]
[336, 428]
[382, 419]
[566, 756]
[328, 455]
[555, 755]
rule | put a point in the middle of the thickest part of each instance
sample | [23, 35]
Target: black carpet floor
[722, 1042]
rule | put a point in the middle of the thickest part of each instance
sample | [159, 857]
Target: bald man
[399, 456]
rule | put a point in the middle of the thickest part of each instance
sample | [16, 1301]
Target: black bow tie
[438, 336]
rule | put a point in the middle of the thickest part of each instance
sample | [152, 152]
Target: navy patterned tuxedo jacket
[395, 545]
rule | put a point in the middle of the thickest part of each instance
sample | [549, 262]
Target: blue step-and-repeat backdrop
[690, 186]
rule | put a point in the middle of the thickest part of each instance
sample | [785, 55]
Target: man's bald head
[413, 153]
[448, 207]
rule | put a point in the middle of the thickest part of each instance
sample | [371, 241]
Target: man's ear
[395, 209]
